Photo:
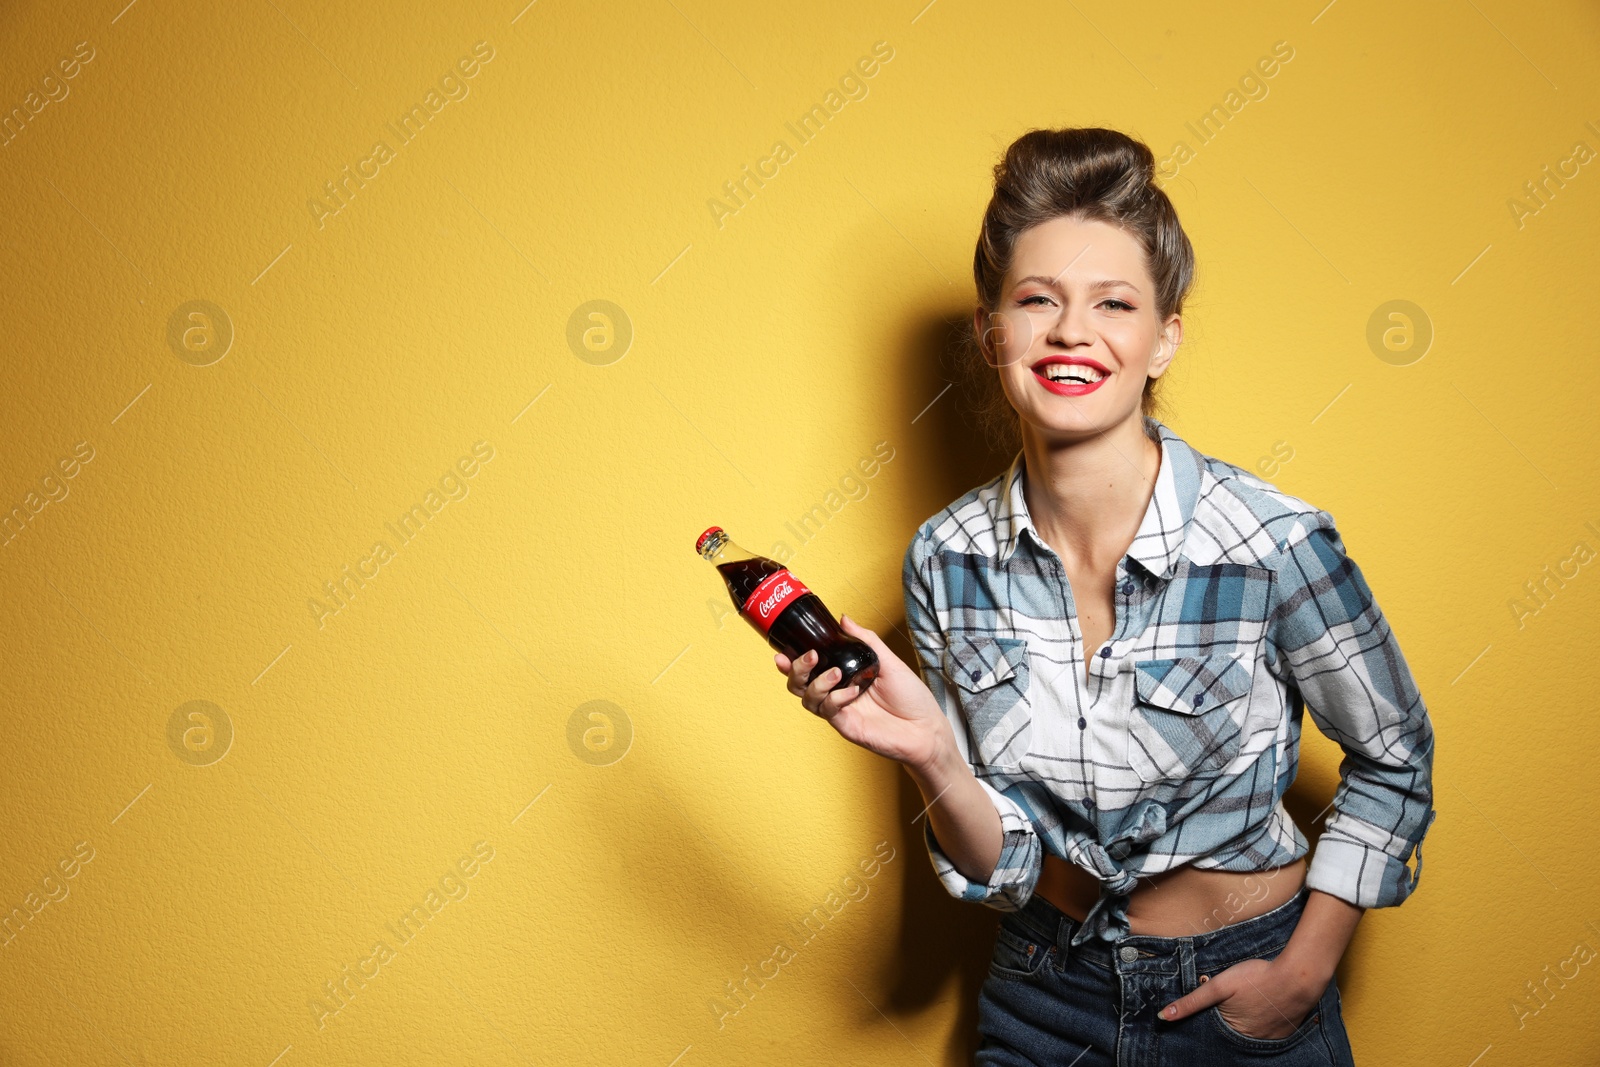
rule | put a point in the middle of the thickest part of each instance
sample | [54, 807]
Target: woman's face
[1075, 334]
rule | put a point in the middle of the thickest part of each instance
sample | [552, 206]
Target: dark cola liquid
[805, 624]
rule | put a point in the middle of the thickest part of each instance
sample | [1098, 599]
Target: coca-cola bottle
[792, 618]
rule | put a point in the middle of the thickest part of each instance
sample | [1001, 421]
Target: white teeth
[1072, 372]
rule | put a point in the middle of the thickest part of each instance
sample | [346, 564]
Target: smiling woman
[1128, 229]
[1041, 332]
[1117, 638]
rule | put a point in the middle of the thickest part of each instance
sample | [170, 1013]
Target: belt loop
[1186, 964]
[1064, 931]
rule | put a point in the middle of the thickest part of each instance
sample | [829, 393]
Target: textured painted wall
[370, 369]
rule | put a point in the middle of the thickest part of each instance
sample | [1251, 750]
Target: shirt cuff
[1015, 873]
[1348, 864]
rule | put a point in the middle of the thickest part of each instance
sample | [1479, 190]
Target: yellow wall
[773, 347]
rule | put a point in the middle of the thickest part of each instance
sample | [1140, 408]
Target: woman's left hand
[1256, 997]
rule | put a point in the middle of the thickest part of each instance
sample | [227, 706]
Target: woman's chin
[1062, 424]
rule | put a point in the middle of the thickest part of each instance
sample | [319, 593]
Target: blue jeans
[1047, 1004]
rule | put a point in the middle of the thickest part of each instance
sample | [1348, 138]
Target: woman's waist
[1180, 902]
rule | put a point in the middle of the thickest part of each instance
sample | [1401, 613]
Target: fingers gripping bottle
[792, 618]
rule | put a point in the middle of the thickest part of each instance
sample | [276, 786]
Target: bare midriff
[1186, 900]
[1182, 902]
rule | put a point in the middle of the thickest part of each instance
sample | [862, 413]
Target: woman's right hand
[897, 717]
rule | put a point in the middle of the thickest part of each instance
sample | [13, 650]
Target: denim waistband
[1211, 950]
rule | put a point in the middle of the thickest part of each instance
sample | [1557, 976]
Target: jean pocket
[1016, 956]
[1186, 719]
[1309, 1025]
[991, 675]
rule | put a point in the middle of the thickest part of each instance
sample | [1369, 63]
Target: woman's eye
[1120, 305]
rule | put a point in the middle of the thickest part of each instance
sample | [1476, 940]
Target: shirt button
[1199, 698]
[1088, 802]
[976, 675]
[1129, 953]
[1082, 722]
[1105, 651]
[1127, 587]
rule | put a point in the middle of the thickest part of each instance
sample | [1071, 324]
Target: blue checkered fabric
[1237, 610]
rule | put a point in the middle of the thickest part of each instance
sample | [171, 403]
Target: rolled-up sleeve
[1021, 852]
[1333, 644]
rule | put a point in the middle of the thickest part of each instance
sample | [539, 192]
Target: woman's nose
[1070, 327]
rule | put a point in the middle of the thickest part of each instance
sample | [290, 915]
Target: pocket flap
[1191, 685]
[979, 661]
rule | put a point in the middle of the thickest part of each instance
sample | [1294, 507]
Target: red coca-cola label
[777, 591]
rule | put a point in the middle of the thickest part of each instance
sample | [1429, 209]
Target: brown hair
[1088, 173]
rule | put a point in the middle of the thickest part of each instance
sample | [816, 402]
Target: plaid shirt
[1236, 609]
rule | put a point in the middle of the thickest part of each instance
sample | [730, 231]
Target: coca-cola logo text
[778, 594]
[768, 600]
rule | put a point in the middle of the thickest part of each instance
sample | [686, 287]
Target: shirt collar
[1159, 543]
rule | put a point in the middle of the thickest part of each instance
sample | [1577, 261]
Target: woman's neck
[1088, 497]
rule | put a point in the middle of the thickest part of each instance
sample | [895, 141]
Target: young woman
[1118, 637]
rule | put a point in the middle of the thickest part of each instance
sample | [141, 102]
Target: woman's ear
[990, 328]
[1166, 348]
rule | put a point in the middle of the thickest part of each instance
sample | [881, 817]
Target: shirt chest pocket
[1186, 716]
[991, 676]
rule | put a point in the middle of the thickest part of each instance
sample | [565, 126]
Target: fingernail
[1170, 1011]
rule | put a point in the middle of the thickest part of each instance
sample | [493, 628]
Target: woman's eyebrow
[1094, 287]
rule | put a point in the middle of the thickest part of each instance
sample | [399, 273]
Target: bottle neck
[720, 548]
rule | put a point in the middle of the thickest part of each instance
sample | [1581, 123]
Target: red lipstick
[1070, 388]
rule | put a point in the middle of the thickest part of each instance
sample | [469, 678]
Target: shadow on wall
[947, 451]
[942, 940]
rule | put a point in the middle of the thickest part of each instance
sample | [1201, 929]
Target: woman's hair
[1091, 174]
